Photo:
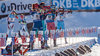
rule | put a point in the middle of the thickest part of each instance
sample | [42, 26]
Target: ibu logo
[3, 7]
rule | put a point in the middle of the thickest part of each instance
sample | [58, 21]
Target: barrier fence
[52, 52]
[73, 36]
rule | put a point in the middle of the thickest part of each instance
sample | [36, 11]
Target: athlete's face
[37, 16]
[50, 17]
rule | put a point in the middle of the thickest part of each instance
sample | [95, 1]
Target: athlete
[22, 21]
[11, 20]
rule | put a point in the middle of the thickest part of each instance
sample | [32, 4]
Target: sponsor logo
[15, 6]
[77, 4]
[3, 7]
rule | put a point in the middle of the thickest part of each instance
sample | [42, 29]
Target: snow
[73, 42]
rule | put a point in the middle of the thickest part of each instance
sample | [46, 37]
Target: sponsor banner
[77, 4]
[21, 6]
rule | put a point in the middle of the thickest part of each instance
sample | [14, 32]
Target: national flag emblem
[2, 42]
[77, 32]
[34, 36]
[95, 29]
[87, 31]
[83, 31]
[61, 34]
[70, 33]
[39, 37]
[91, 30]
[23, 39]
[16, 40]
